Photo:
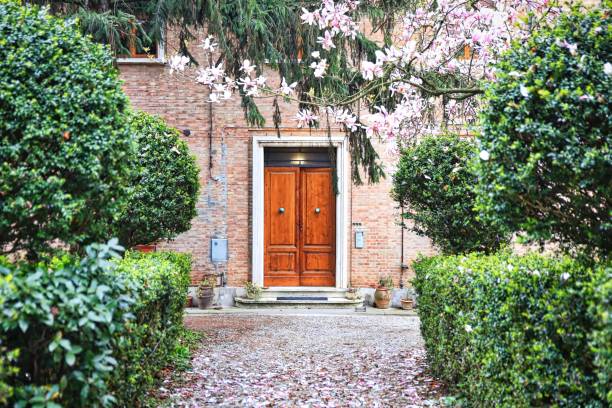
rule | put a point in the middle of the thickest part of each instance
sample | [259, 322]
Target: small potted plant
[189, 301]
[253, 291]
[408, 300]
[206, 292]
[382, 296]
[352, 294]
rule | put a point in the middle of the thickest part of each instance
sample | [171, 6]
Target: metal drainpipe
[403, 266]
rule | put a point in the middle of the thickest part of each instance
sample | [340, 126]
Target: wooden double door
[299, 230]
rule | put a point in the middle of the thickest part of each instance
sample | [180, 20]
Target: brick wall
[224, 205]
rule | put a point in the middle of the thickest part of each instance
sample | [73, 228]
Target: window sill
[141, 61]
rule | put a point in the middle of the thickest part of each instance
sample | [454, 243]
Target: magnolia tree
[430, 72]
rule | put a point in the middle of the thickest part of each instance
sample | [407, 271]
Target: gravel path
[306, 361]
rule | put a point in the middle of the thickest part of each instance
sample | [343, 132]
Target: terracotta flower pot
[382, 297]
[407, 304]
[189, 301]
[205, 297]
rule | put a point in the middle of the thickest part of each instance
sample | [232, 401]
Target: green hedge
[518, 331]
[162, 280]
[90, 332]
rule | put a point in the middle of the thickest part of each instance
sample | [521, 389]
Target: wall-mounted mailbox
[218, 250]
[359, 239]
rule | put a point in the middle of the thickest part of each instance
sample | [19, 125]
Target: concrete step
[273, 302]
[302, 291]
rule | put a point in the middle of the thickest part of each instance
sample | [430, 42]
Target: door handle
[317, 210]
[281, 210]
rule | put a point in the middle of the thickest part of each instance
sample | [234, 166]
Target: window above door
[298, 156]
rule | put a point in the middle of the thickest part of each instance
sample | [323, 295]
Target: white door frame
[319, 139]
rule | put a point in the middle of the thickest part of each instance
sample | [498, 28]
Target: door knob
[281, 210]
[317, 210]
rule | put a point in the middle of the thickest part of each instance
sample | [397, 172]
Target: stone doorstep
[330, 293]
[273, 302]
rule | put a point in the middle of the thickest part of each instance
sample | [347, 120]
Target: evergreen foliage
[518, 331]
[64, 147]
[164, 184]
[63, 319]
[267, 33]
[161, 280]
[547, 128]
[434, 184]
[89, 333]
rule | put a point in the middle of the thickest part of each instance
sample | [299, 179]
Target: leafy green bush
[90, 333]
[165, 184]
[64, 144]
[162, 280]
[518, 331]
[434, 184]
[63, 320]
[547, 129]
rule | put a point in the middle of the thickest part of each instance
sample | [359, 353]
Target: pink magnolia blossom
[247, 68]
[287, 89]
[208, 44]
[326, 41]
[344, 117]
[308, 17]
[370, 70]
[178, 63]
[305, 117]
[319, 68]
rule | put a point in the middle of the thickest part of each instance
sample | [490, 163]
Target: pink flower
[308, 17]
[247, 67]
[287, 89]
[326, 41]
[369, 70]
[305, 118]
[208, 44]
[319, 68]
[178, 63]
[344, 117]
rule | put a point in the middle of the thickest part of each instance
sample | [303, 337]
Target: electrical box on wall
[359, 239]
[218, 250]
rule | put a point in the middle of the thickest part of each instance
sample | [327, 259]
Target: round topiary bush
[547, 133]
[165, 184]
[434, 184]
[64, 145]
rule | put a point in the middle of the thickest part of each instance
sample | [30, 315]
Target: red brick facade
[224, 207]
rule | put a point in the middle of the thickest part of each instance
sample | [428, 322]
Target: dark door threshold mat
[324, 298]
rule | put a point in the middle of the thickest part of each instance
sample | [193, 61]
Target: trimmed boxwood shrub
[64, 320]
[434, 185]
[92, 332]
[64, 144]
[162, 280]
[165, 184]
[518, 331]
[547, 128]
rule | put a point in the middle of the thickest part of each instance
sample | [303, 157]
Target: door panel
[317, 246]
[299, 231]
[281, 226]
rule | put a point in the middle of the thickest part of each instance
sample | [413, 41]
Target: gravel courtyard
[305, 360]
